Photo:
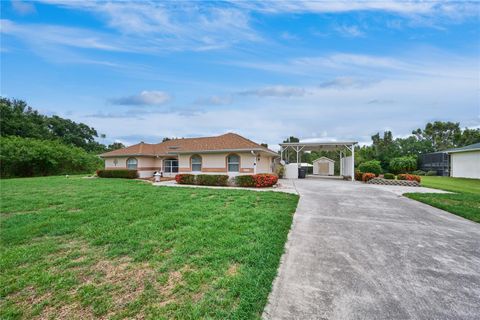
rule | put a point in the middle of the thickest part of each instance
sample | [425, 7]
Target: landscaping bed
[263, 180]
[391, 182]
[117, 248]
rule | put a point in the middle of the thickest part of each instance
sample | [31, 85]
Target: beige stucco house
[229, 154]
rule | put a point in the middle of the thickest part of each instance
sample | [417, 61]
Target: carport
[345, 148]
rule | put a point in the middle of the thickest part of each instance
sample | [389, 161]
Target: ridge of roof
[470, 147]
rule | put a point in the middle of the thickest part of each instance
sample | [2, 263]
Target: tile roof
[228, 141]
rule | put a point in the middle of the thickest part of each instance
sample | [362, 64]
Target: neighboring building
[465, 161]
[436, 161]
[229, 154]
[323, 166]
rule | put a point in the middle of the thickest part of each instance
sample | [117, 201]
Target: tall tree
[442, 135]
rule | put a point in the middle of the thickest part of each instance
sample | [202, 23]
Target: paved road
[357, 252]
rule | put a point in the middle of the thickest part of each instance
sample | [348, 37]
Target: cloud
[275, 91]
[213, 101]
[144, 98]
[23, 7]
[345, 82]
[349, 31]
[381, 101]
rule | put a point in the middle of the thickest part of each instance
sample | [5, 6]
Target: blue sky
[314, 69]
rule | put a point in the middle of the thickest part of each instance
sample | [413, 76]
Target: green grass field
[112, 248]
[465, 201]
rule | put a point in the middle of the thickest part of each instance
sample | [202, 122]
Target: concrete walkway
[362, 252]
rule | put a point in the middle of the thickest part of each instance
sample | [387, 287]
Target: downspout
[254, 162]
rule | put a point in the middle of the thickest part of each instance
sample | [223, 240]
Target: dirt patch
[233, 270]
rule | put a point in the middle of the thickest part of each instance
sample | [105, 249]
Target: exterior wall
[465, 164]
[146, 166]
[216, 163]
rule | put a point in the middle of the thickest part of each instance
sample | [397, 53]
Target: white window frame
[233, 163]
[129, 164]
[196, 156]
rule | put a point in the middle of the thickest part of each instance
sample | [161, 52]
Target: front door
[170, 167]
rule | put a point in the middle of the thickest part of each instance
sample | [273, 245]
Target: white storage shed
[323, 166]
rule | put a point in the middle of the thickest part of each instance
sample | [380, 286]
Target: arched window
[196, 163]
[233, 163]
[132, 164]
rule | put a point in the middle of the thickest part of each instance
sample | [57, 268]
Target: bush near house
[126, 174]
[403, 164]
[211, 179]
[368, 176]
[431, 173]
[245, 181]
[185, 178]
[372, 166]
[265, 180]
[389, 176]
[419, 172]
[409, 177]
[358, 175]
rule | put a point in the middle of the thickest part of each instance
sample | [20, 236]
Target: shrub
[127, 174]
[185, 178]
[212, 180]
[409, 177]
[419, 172]
[280, 170]
[245, 181]
[389, 176]
[265, 180]
[28, 157]
[368, 176]
[403, 164]
[358, 175]
[431, 173]
[372, 166]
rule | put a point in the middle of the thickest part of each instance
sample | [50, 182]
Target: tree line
[33, 144]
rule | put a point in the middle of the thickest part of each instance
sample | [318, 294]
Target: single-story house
[465, 161]
[323, 166]
[229, 154]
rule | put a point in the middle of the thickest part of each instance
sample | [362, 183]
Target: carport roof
[325, 145]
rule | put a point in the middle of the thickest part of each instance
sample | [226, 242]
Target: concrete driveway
[359, 252]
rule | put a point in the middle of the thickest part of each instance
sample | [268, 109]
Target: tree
[264, 145]
[384, 149]
[467, 137]
[442, 135]
[115, 146]
[289, 154]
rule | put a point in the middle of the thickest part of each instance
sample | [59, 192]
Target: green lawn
[465, 201]
[113, 248]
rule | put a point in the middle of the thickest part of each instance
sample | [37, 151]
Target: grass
[465, 201]
[114, 248]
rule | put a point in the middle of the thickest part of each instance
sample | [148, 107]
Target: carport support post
[353, 162]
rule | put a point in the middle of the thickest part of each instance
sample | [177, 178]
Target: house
[229, 154]
[465, 161]
[323, 166]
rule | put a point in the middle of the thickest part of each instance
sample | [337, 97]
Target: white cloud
[144, 98]
[349, 31]
[275, 91]
[214, 101]
[23, 7]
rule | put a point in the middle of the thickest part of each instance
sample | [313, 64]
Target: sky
[317, 70]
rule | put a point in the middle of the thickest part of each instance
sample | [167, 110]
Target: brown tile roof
[228, 141]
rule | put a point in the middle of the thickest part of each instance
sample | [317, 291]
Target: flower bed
[409, 177]
[263, 180]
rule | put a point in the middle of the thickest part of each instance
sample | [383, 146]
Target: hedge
[28, 157]
[389, 176]
[245, 181]
[185, 178]
[409, 177]
[403, 164]
[265, 180]
[212, 180]
[368, 176]
[431, 173]
[372, 166]
[127, 174]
